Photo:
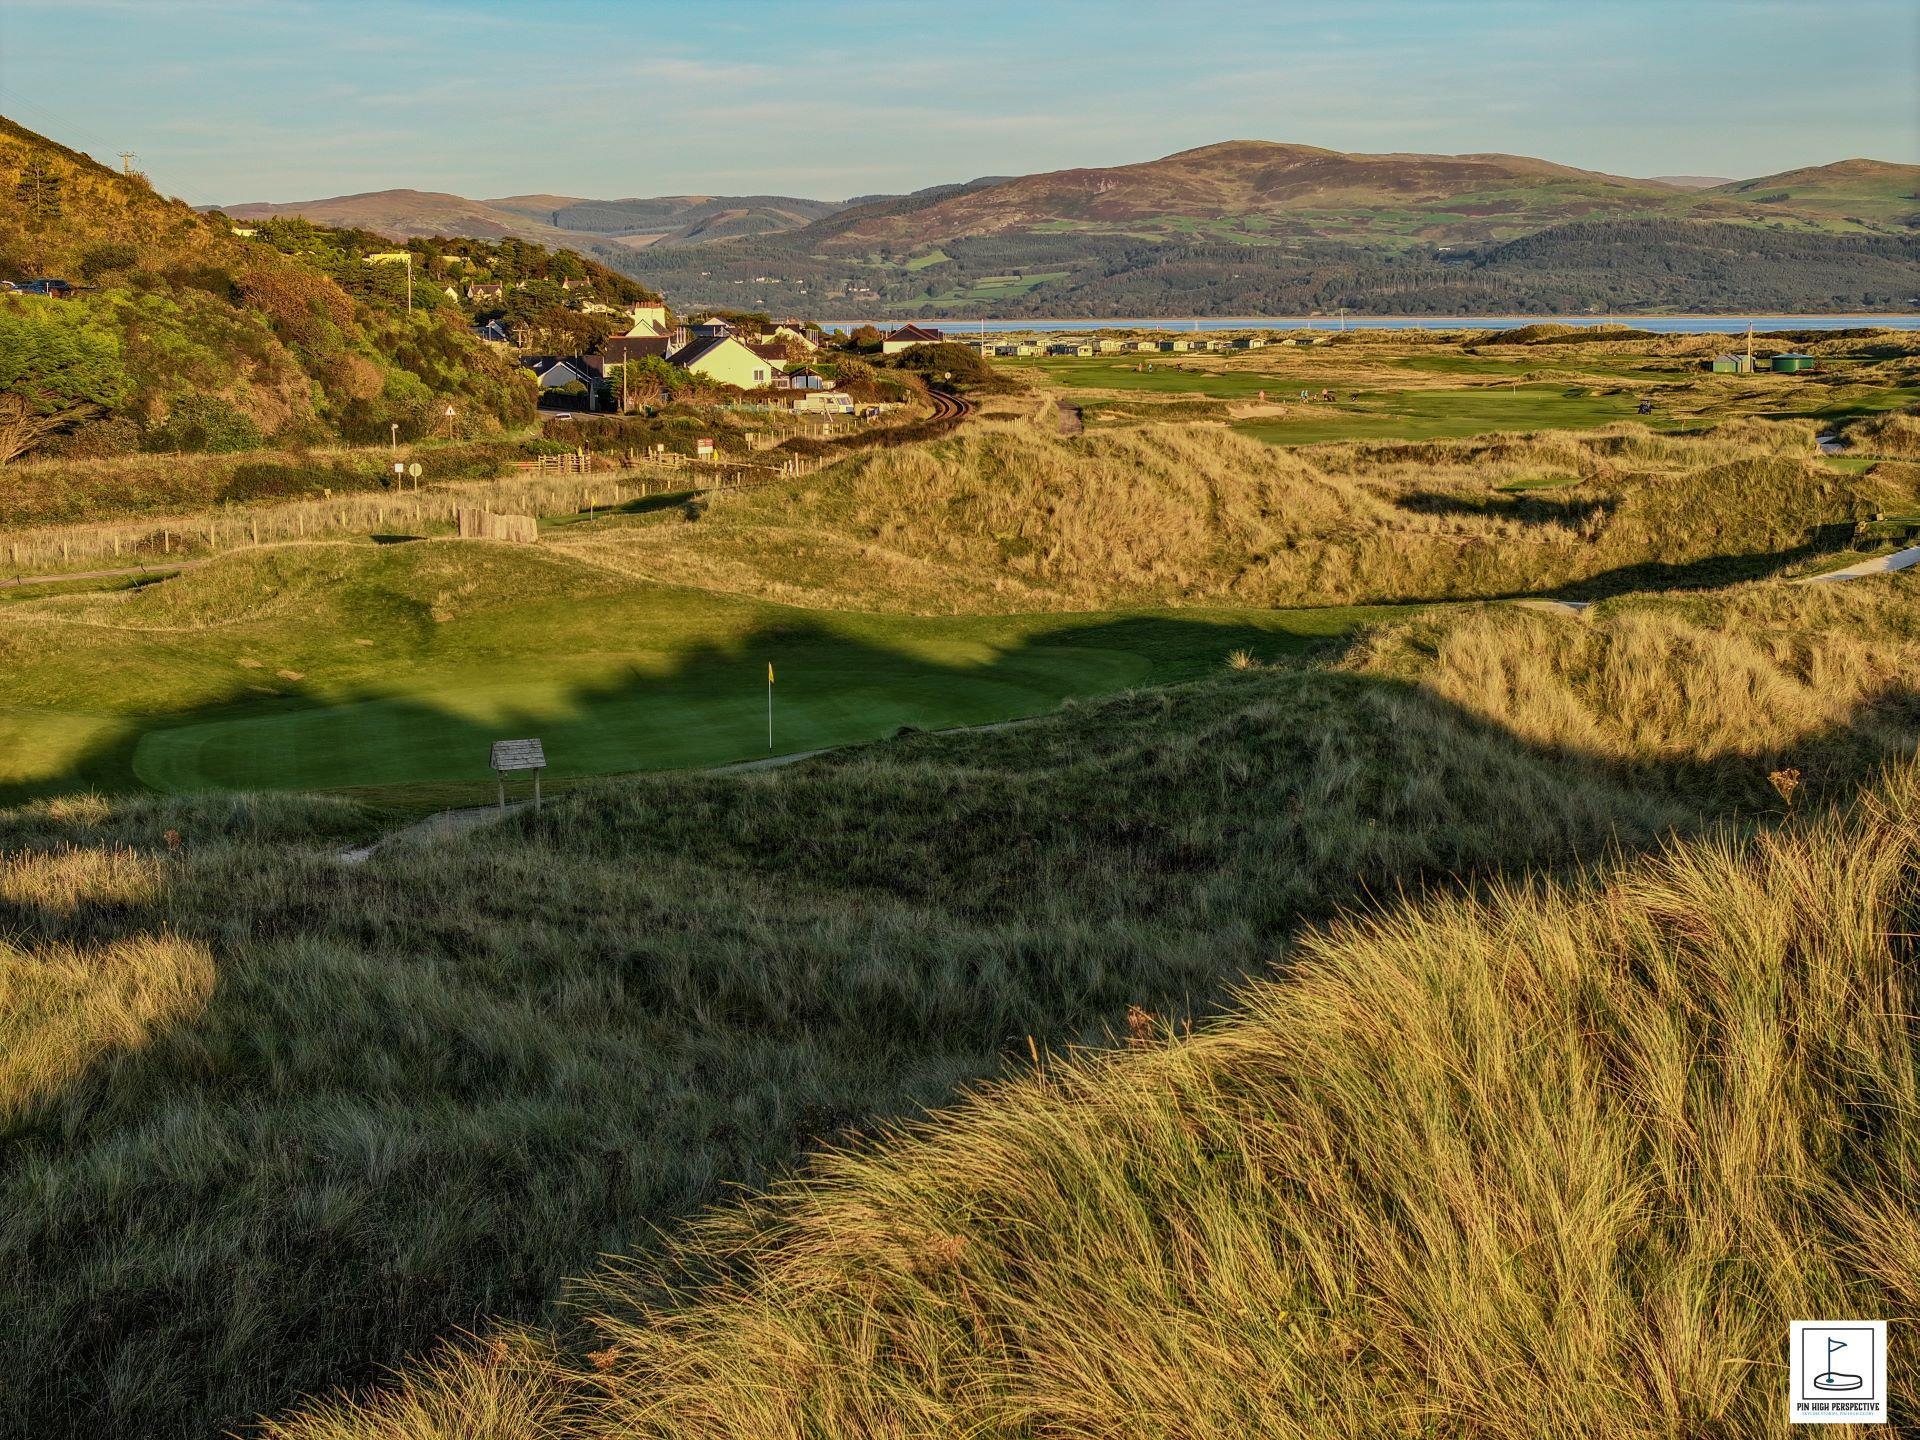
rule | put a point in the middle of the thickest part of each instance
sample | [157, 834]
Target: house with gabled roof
[908, 336]
[723, 358]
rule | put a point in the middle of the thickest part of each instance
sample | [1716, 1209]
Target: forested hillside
[1605, 264]
[182, 335]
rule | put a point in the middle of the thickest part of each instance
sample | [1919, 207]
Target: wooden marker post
[514, 755]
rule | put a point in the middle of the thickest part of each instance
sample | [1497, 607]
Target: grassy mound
[1008, 516]
[284, 1121]
[1896, 434]
[1601, 1143]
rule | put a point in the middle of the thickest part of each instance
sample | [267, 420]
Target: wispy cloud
[283, 99]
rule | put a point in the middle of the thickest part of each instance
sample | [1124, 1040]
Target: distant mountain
[1865, 192]
[1256, 192]
[564, 220]
[1227, 228]
[408, 215]
[1248, 187]
[669, 219]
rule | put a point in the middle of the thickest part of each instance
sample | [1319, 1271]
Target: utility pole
[126, 162]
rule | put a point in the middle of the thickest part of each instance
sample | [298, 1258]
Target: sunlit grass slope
[1009, 516]
[1558, 1160]
[272, 1122]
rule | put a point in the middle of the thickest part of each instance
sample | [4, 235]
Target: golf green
[356, 666]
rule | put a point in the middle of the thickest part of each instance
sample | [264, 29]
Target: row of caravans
[1141, 345]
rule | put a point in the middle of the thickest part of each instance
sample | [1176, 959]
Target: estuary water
[1661, 324]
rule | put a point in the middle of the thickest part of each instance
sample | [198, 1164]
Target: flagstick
[769, 707]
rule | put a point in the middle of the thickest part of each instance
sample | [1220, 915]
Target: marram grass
[1560, 1159]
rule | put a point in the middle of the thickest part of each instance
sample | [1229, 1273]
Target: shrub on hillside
[58, 369]
[103, 439]
[112, 258]
[304, 309]
[205, 423]
[959, 366]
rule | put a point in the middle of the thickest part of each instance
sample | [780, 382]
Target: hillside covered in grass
[1596, 1141]
[188, 337]
[1011, 515]
[274, 1121]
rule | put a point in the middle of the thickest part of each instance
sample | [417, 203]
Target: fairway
[1443, 414]
[349, 684]
[1363, 414]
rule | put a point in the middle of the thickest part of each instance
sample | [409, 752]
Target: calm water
[1663, 324]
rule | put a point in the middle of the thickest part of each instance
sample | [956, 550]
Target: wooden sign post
[512, 755]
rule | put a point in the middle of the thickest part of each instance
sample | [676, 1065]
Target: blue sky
[230, 100]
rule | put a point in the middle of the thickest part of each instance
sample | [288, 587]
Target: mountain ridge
[1223, 180]
[1238, 226]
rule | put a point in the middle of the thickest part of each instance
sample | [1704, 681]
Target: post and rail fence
[574, 482]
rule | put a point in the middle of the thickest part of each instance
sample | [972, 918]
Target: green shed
[1793, 364]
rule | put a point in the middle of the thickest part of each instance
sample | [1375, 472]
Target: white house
[723, 358]
[908, 336]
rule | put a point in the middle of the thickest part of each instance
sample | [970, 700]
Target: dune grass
[1012, 516]
[1557, 1160]
[351, 1110]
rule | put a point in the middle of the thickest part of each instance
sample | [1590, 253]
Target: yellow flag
[769, 672]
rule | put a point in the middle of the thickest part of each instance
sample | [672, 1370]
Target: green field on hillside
[323, 667]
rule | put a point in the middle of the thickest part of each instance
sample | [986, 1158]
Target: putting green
[601, 714]
[343, 666]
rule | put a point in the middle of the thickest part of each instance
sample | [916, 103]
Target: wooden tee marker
[512, 755]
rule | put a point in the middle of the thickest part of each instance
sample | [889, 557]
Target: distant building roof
[915, 335]
[619, 349]
[553, 371]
